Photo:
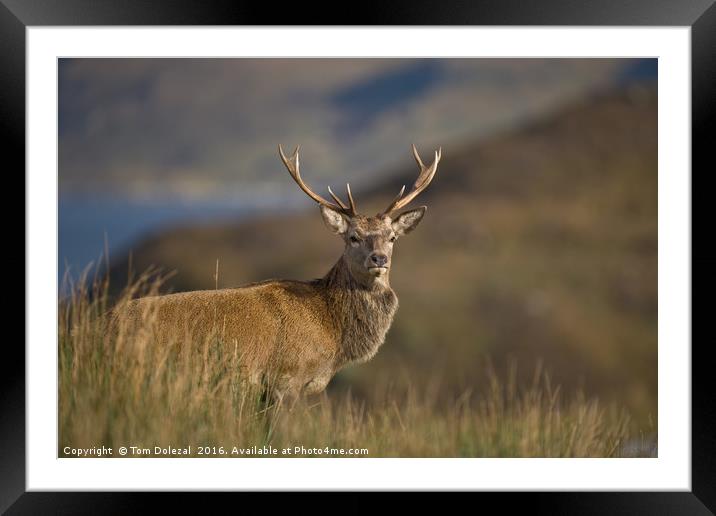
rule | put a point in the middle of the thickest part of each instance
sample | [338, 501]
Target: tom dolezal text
[212, 451]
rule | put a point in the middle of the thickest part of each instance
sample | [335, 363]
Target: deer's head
[368, 239]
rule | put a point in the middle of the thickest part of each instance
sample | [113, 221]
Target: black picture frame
[700, 15]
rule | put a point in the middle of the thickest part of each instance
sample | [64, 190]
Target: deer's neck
[362, 312]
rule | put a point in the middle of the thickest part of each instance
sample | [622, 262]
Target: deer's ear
[335, 220]
[408, 220]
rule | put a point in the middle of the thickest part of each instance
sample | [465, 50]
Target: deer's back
[280, 322]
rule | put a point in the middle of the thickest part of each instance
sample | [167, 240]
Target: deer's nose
[378, 259]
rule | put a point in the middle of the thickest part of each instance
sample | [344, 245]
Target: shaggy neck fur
[363, 311]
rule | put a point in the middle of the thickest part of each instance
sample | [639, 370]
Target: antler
[424, 178]
[293, 167]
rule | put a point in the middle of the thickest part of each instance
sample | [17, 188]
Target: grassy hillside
[119, 389]
[539, 246]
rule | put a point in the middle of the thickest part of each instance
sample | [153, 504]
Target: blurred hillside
[196, 130]
[538, 245]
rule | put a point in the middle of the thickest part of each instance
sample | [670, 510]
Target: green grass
[124, 390]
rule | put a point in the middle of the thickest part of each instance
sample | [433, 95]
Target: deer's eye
[355, 239]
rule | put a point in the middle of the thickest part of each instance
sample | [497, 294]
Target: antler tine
[337, 199]
[417, 157]
[394, 202]
[289, 165]
[426, 173]
[421, 183]
[350, 199]
[349, 209]
[292, 164]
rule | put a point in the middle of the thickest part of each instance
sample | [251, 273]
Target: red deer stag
[300, 333]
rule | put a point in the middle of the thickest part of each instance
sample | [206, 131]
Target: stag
[301, 333]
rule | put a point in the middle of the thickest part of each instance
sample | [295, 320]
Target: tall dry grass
[121, 388]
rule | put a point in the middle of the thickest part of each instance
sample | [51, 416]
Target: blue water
[84, 223]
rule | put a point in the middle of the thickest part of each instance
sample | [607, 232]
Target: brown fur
[300, 333]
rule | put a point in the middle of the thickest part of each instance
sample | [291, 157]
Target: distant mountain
[540, 244]
[192, 130]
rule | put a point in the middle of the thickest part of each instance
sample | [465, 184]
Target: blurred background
[539, 245]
